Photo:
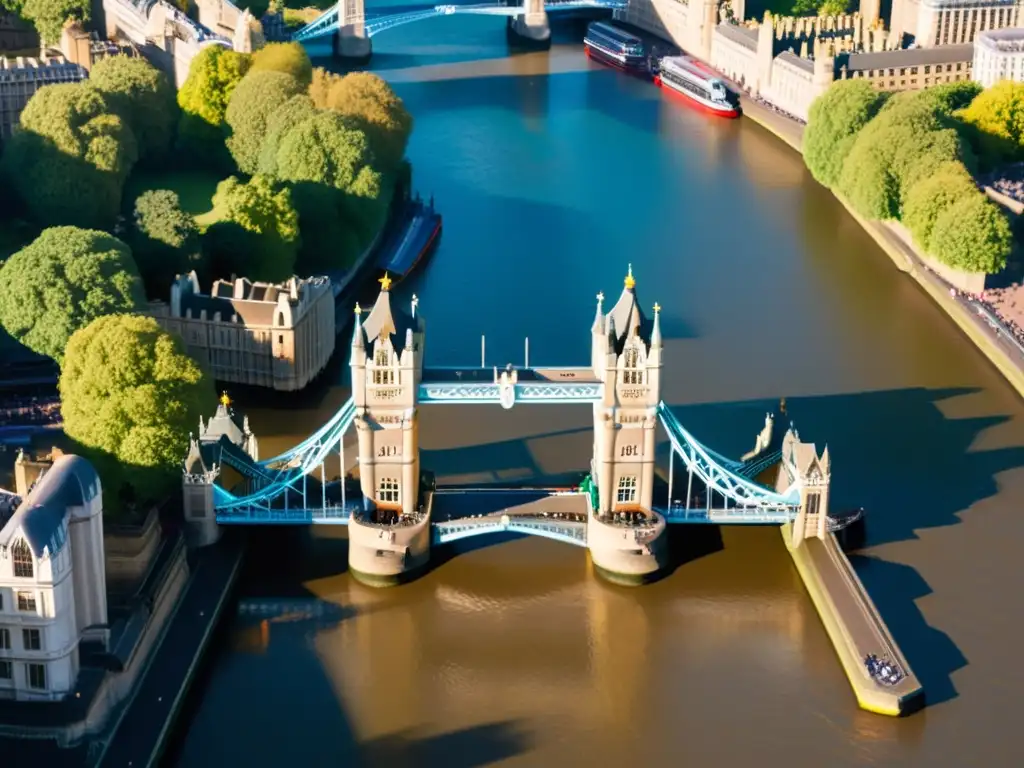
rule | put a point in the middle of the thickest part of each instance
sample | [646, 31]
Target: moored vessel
[615, 47]
[699, 84]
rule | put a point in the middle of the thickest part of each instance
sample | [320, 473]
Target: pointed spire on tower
[415, 303]
[599, 315]
[825, 461]
[656, 331]
[357, 332]
[629, 282]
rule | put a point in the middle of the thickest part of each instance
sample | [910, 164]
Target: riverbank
[140, 737]
[1001, 352]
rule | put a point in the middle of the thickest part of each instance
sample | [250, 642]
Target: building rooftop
[797, 61]
[253, 304]
[745, 36]
[911, 57]
[1009, 40]
[387, 320]
[70, 482]
[627, 317]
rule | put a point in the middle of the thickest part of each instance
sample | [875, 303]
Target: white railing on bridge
[525, 392]
[678, 513]
[329, 515]
[453, 530]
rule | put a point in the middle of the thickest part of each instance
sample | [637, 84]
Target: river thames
[553, 175]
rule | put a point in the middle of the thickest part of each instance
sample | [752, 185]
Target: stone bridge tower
[531, 27]
[626, 349]
[387, 365]
[801, 464]
[351, 40]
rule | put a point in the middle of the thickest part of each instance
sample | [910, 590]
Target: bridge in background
[352, 25]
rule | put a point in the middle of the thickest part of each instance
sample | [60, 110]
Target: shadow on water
[931, 653]
[470, 747]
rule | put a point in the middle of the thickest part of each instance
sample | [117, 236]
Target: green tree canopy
[257, 230]
[997, 117]
[62, 281]
[289, 58]
[69, 161]
[254, 102]
[214, 74]
[165, 241]
[143, 97]
[972, 234]
[291, 113]
[908, 140]
[370, 101]
[130, 396]
[328, 149]
[331, 237]
[930, 197]
[947, 98]
[834, 121]
[50, 16]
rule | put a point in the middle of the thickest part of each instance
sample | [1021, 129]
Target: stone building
[52, 583]
[20, 78]
[952, 22]
[998, 55]
[276, 336]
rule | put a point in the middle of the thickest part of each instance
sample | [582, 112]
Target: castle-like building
[267, 335]
[20, 78]
[53, 593]
[790, 61]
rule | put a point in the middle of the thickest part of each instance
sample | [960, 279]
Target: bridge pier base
[385, 556]
[530, 30]
[627, 555]
[352, 45]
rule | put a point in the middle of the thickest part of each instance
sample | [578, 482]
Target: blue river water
[553, 175]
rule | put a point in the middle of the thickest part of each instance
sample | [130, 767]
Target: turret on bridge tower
[351, 40]
[387, 366]
[801, 463]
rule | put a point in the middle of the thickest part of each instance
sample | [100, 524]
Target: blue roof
[42, 516]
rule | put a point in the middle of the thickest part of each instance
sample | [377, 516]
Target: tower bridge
[350, 25]
[396, 514]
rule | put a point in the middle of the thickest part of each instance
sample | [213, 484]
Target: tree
[973, 235]
[834, 120]
[165, 240]
[213, 75]
[947, 98]
[130, 396]
[62, 281]
[370, 101]
[930, 197]
[70, 160]
[328, 149]
[255, 100]
[331, 238]
[290, 114]
[143, 97]
[289, 58]
[996, 116]
[50, 16]
[257, 230]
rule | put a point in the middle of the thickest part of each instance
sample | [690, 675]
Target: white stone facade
[999, 55]
[265, 335]
[952, 22]
[52, 582]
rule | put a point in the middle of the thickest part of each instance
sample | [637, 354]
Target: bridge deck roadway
[853, 624]
[524, 375]
[453, 505]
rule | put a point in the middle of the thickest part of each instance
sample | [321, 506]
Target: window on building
[632, 374]
[5, 670]
[627, 490]
[30, 640]
[388, 492]
[37, 676]
[5, 639]
[27, 601]
[382, 373]
[813, 503]
[24, 563]
[927, 69]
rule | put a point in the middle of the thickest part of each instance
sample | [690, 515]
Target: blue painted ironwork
[456, 392]
[722, 480]
[377, 22]
[332, 514]
[567, 532]
[678, 513]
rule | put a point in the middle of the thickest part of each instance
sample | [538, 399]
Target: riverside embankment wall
[904, 256]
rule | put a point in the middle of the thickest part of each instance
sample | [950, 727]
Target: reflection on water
[552, 175]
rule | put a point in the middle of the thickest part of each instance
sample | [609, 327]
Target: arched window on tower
[24, 563]
[382, 373]
[632, 373]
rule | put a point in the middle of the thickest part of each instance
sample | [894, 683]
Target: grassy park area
[194, 188]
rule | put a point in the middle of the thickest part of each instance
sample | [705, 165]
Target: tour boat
[610, 45]
[698, 83]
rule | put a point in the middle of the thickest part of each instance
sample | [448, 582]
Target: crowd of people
[1009, 181]
[771, 107]
[29, 410]
[1005, 305]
